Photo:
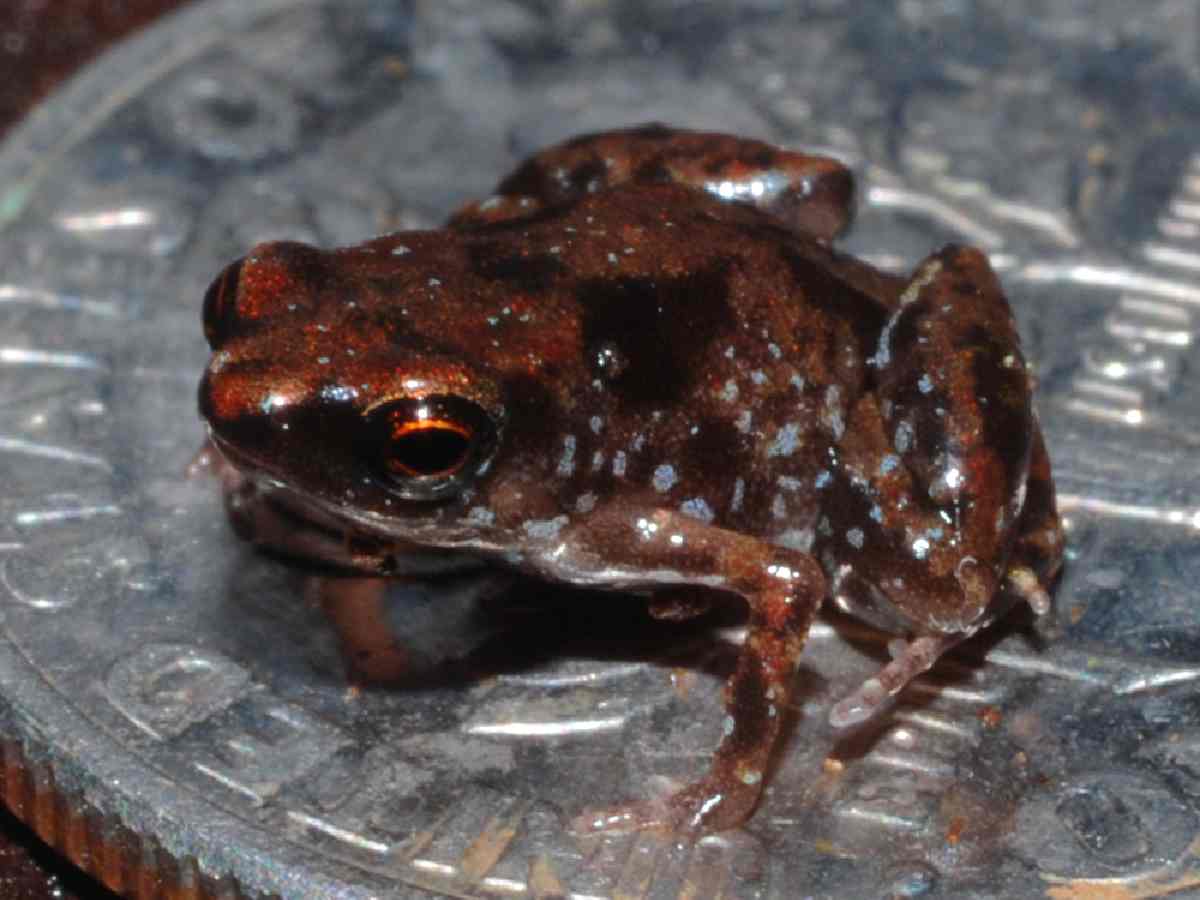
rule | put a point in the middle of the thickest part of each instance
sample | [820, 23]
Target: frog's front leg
[929, 498]
[783, 589]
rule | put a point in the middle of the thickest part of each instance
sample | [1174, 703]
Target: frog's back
[656, 339]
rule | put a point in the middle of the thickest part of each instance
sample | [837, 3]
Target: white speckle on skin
[585, 503]
[729, 392]
[400, 250]
[435, 282]
[338, 393]
[664, 478]
[751, 777]
[730, 352]
[920, 281]
[219, 360]
[619, 463]
[597, 460]
[904, 437]
[925, 384]
[876, 513]
[556, 249]
[855, 537]
[795, 539]
[727, 725]
[786, 440]
[595, 423]
[788, 483]
[639, 441]
[823, 480]
[779, 507]
[832, 413]
[739, 494]
[889, 463]
[758, 376]
[323, 360]
[920, 548]
[954, 479]
[542, 529]
[797, 382]
[743, 421]
[272, 402]
[697, 508]
[566, 462]
[613, 258]
[774, 350]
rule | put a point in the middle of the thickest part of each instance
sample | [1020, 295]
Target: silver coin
[182, 686]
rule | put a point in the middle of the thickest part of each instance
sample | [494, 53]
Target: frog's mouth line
[297, 509]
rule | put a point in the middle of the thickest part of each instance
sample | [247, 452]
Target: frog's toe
[1023, 582]
[642, 815]
[910, 659]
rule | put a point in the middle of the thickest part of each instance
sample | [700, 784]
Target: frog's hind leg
[1035, 561]
[940, 514]
[813, 194]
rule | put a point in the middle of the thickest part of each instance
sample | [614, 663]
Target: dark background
[43, 42]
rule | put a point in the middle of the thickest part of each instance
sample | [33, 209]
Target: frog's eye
[428, 447]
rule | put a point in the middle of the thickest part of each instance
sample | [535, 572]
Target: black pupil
[430, 451]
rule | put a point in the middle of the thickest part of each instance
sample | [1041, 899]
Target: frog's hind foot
[909, 659]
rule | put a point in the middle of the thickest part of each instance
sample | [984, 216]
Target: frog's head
[318, 385]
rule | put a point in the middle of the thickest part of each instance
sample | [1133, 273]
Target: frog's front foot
[711, 804]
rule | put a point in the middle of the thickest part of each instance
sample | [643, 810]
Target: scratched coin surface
[179, 689]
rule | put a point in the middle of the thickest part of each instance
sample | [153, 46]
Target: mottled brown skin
[630, 378]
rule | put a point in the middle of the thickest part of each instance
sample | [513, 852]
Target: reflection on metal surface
[1109, 277]
[1186, 518]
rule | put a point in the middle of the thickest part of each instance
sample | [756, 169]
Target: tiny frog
[641, 366]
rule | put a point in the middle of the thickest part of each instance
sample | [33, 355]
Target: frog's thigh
[955, 423]
[783, 589]
[813, 194]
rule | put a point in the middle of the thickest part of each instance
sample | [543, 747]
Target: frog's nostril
[220, 303]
